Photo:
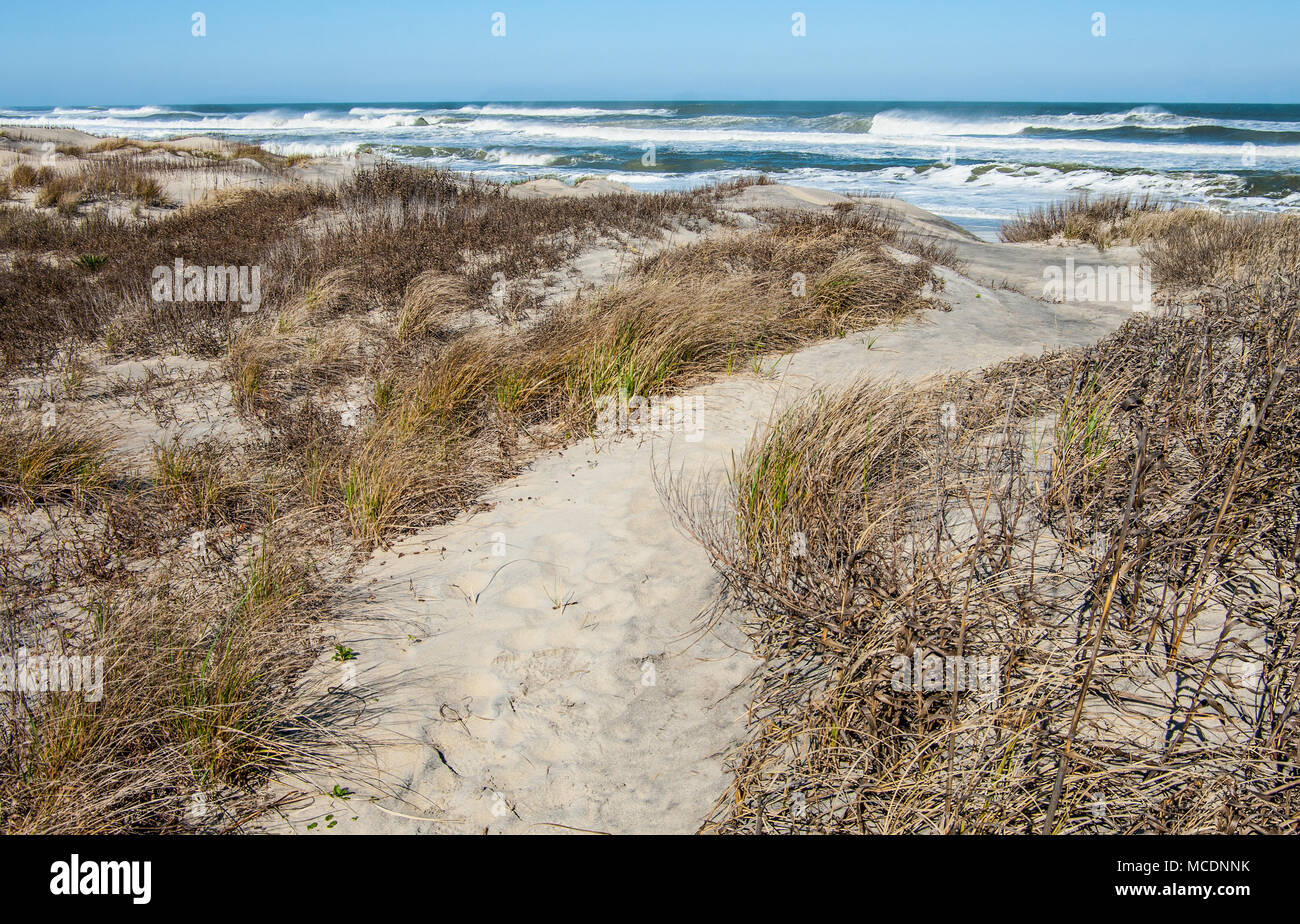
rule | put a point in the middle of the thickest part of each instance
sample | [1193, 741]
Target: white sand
[507, 689]
[552, 188]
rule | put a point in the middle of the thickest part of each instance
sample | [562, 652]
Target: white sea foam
[847, 150]
[568, 112]
[520, 158]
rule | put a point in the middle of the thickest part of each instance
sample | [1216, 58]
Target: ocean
[975, 163]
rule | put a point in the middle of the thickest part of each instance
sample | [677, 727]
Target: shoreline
[209, 153]
[949, 174]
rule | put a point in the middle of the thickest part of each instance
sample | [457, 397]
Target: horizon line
[625, 100]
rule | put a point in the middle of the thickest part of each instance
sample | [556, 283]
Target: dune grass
[197, 652]
[386, 227]
[116, 179]
[1185, 247]
[1104, 501]
[40, 464]
[1094, 220]
[22, 176]
[194, 709]
[1111, 530]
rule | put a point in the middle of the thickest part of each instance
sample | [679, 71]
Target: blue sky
[56, 52]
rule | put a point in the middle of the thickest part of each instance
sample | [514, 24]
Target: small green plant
[1083, 440]
[344, 653]
[510, 392]
[385, 391]
[559, 601]
[91, 261]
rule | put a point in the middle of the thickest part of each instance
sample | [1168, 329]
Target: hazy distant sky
[55, 52]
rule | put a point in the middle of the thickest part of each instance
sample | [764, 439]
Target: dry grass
[383, 229]
[1093, 220]
[22, 176]
[449, 411]
[201, 645]
[264, 157]
[62, 190]
[1191, 248]
[117, 144]
[1116, 526]
[453, 408]
[122, 179]
[196, 707]
[431, 299]
[194, 480]
[115, 179]
[40, 464]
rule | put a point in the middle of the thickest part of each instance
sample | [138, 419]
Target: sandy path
[536, 665]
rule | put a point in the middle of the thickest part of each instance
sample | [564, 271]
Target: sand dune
[540, 664]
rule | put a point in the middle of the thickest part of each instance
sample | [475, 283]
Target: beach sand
[549, 662]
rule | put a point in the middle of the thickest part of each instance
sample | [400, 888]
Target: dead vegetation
[133, 173]
[199, 602]
[1055, 598]
[384, 228]
[1093, 220]
[40, 464]
[22, 176]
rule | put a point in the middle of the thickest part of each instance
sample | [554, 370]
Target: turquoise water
[977, 163]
